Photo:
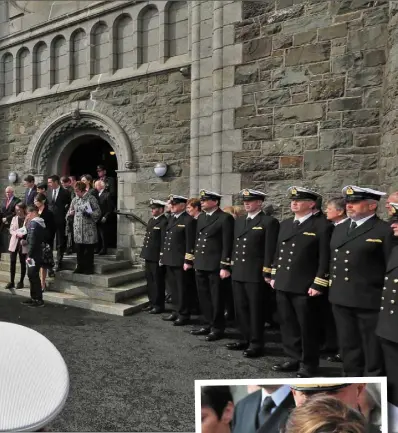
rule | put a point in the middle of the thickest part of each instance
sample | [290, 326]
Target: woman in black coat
[48, 217]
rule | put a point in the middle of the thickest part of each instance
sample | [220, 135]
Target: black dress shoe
[307, 372]
[286, 366]
[77, 270]
[334, 358]
[10, 286]
[147, 308]
[102, 253]
[181, 321]
[51, 273]
[201, 331]
[214, 336]
[88, 272]
[170, 318]
[19, 285]
[254, 352]
[156, 310]
[237, 346]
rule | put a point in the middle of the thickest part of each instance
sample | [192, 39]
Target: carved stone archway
[51, 144]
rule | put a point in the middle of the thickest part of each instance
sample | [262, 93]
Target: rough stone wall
[159, 109]
[311, 79]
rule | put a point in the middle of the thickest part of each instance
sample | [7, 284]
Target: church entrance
[87, 152]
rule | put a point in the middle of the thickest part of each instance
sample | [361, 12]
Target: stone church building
[229, 94]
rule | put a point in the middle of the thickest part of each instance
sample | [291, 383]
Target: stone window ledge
[97, 80]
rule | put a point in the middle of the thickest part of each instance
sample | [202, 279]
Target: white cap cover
[34, 379]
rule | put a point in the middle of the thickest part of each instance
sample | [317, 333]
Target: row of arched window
[103, 50]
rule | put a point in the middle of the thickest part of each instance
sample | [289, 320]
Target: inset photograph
[321, 405]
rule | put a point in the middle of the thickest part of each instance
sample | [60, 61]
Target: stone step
[109, 294]
[102, 265]
[118, 309]
[106, 280]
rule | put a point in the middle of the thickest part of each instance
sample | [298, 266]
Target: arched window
[60, 64]
[41, 65]
[24, 75]
[177, 28]
[7, 69]
[149, 35]
[124, 42]
[100, 58]
[79, 55]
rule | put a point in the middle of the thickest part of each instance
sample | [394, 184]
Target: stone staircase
[116, 287]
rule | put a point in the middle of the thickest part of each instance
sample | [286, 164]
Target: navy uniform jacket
[388, 317]
[254, 248]
[154, 238]
[214, 238]
[302, 256]
[358, 263]
[179, 241]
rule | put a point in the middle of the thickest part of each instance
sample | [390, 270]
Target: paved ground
[134, 373]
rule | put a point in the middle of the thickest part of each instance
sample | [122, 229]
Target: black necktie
[265, 410]
[296, 224]
[353, 226]
[247, 221]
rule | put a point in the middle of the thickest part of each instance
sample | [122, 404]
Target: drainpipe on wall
[195, 101]
[216, 158]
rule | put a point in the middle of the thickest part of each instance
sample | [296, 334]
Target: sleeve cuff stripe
[226, 263]
[321, 282]
[267, 270]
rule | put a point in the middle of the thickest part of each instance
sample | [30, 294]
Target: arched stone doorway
[52, 148]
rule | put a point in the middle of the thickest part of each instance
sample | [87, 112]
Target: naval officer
[153, 241]
[300, 276]
[360, 249]
[387, 327]
[177, 255]
[214, 237]
[254, 247]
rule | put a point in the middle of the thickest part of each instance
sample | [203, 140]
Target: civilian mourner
[214, 237]
[177, 255]
[154, 273]
[255, 240]
[387, 327]
[300, 275]
[360, 248]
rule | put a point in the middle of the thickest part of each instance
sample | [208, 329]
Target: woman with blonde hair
[325, 414]
[235, 211]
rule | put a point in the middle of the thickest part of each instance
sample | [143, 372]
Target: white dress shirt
[211, 213]
[177, 215]
[304, 218]
[363, 220]
[277, 396]
[56, 193]
[253, 215]
[341, 222]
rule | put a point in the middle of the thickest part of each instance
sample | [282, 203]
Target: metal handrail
[132, 217]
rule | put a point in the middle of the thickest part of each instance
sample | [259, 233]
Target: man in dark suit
[107, 208]
[300, 276]
[7, 213]
[59, 201]
[214, 238]
[265, 410]
[177, 255]
[255, 240]
[153, 241]
[110, 182]
[31, 190]
[360, 249]
[387, 327]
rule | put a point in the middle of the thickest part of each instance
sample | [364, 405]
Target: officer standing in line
[255, 240]
[360, 249]
[177, 255]
[387, 327]
[110, 182]
[300, 276]
[154, 273]
[214, 237]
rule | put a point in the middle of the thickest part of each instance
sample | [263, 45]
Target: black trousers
[103, 233]
[328, 326]
[13, 264]
[299, 328]
[390, 352]
[155, 278]
[35, 283]
[226, 285]
[211, 299]
[249, 308]
[60, 241]
[359, 346]
[85, 257]
[179, 284]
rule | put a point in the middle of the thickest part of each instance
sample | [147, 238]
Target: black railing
[131, 216]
